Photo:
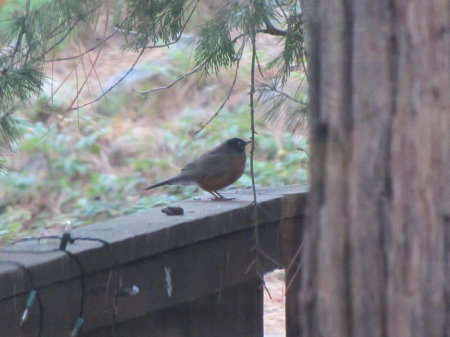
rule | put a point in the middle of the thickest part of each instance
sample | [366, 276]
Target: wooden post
[376, 254]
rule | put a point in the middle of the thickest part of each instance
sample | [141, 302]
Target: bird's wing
[209, 165]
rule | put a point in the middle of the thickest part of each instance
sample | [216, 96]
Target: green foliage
[215, 47]
[214, 36]
[248, 17]
[112, 105]
[153, 22]
[8, 130]
[20, 84]
[28, 35]
[37, 31]
[284, 105]
[293, 52]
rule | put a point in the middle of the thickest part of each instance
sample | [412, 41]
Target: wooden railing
[149, 274]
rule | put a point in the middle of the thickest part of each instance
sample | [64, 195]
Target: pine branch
[22, 32]
[145, 93]
[281, 107]
[229, 92]
[87, 76]
[154, 21]
[97, 45]
[252, 127]
[271, 29]
[264, 89]
[214, 48]
[113, 86]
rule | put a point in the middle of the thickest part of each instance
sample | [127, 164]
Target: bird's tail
[180, 179]
[162, 183]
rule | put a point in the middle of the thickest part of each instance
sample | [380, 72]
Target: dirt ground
[274, 313]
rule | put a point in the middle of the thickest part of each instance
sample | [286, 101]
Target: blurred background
[91, 140]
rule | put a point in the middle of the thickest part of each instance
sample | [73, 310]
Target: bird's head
[237, 144]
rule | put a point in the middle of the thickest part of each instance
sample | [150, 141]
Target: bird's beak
[248, 142]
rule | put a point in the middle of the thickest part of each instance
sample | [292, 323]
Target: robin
[213, 170]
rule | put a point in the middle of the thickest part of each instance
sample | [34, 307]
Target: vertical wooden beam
[292, 235]
[376, 256]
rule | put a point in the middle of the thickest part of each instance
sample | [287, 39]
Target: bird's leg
[219, 197]
[215, 195]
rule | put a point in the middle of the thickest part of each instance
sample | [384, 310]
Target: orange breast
[232, 174]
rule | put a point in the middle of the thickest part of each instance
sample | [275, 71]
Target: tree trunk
[377, 245]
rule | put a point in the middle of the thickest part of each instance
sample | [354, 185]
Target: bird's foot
[219, 197]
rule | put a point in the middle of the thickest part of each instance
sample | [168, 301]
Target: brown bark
[377, 246]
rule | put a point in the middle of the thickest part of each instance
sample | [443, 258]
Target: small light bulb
[69, 226]
[24, 317]
[128, 291]
[66, 237]
[28, 304]
[77, 325]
